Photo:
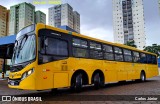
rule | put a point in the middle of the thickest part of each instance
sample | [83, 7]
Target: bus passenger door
[110, 72]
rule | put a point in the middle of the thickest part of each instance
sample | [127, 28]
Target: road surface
[150, 87]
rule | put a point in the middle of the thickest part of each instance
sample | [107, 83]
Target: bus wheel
[77, 84]
[143, 77]
[96, 81]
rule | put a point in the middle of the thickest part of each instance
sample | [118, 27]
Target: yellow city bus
[46, 57]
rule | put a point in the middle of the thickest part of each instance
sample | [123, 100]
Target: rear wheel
[77, 83]
[143, 77]
[96, 81]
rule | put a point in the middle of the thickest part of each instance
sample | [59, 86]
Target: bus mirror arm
[9, 51]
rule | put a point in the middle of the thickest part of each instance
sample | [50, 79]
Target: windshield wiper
[21, 46]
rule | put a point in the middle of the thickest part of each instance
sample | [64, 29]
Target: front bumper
[14, 82]
[27, 84]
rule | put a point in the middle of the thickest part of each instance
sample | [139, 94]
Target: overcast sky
[96, 17]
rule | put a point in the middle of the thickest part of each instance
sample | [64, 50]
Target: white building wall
[66, 18]
[76, 21]
[138, 22]
[118, 22]
[159, 5]
[67, 15]
[64, 15]
[21, 15]
[51, 16]
[12, 23]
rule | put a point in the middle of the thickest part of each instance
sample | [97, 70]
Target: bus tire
[77, 83]
[142, 77]
[97, 81]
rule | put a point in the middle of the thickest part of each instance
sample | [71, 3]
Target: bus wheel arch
[98, 73]
[82, 74]
[142, 76]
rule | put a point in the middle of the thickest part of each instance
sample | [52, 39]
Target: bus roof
[94, 39]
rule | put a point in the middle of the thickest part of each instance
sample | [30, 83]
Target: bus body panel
[129, 67]
[110, 71]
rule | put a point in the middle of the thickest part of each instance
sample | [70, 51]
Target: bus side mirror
[10, 51]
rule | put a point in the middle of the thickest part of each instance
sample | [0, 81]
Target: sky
[96, 17]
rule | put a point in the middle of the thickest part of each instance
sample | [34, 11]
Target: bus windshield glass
[25, 48]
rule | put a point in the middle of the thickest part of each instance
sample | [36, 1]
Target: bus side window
[127, 55]
[143, 58]
[79, 43]
[56, 47]
[80, 48]
[136, 57]
[108, 52]
[118, 54]
[154, 59]
[96, 50]
[149, 59]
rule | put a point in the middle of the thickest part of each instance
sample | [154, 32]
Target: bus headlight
[27, 73]
[30, 72]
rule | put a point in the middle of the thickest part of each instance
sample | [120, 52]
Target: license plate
[12, 83]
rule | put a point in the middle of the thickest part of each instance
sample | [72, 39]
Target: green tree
[131, 43]
[153, 49]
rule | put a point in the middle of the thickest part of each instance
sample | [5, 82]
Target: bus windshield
[25, 49]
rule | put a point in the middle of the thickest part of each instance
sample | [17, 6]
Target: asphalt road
[150, 87]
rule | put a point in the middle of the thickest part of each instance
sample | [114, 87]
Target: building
[64, 27]
[40, 17]
[128, 22]
[8, 17]
[21, 15]
[4, 20]
[1, 64]
[63, 14]
[76, 21]
[159, 5]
